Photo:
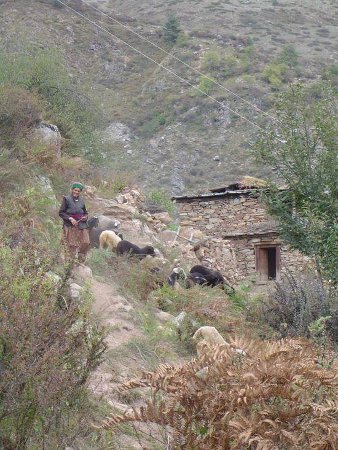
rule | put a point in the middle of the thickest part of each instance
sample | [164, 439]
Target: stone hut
[240, 238]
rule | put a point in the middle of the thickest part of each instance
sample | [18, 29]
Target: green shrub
[206, 85]
[171, 30]
[289, 57]
[162, 199]
[44, 73]
[274, 74]
[231, 65]
[20, 110]
[47, 352]
[212, 60]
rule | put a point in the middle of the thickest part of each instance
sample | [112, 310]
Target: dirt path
[117, 315]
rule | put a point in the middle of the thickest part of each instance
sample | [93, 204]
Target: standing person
[75, 235]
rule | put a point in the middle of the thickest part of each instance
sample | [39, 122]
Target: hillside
[158, 127]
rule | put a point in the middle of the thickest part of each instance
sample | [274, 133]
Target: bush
[288, 56]
[206, 85]
[44, 74]
[212, 60]
[296, 303]
[274, 73]
[20, 110]
[46, 351]
[161, 199]
[275, 395]
[171, 30]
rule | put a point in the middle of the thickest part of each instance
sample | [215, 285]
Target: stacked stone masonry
[229, 244]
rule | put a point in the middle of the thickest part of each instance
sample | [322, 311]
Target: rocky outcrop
[49, 135]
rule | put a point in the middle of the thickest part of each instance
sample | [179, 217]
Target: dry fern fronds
[272, 397]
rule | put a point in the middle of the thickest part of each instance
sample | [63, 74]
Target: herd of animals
[104, 233]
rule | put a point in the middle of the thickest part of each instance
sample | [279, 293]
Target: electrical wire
[182, 62]
[160, 65]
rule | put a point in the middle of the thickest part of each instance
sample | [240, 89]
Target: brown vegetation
[275, 397]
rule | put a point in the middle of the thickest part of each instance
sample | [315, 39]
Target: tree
[171, 30]
[303, 150]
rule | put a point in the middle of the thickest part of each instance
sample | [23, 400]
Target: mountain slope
[173, 136]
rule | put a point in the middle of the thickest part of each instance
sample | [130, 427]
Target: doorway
[268, 261]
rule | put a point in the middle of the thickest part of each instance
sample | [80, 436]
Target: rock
[46, 186]
[163, 217]
[117, 131]
[123, 212]
[178, 320]
[75, 291]
[163, 316]
[49, 134]
[89, 191]
[216, 158]
[124, 307]
[167, 236]
[81, 272]
[55, 278]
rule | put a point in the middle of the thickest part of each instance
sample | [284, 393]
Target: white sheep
[212, 337]
[109, 239]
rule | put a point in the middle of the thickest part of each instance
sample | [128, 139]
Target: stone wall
[217, 216]
[235, 256]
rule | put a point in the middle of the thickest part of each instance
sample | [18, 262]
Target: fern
[274, 396]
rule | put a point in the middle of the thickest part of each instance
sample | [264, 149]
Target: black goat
[213, 277]
[126, 247]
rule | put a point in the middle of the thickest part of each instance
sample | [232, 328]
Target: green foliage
[274, 74]
[212, 60]
[303, 151]
[161, 198]
[43, 73]
[247, 57]
[289, 57]
[205, 85]
[231, 64]
[19, 111]
[171, 30]
[330, 73]
[153, 125]
[47, 352]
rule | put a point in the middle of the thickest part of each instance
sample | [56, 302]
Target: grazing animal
[105, 223]
[126, 247]
[210, 336]
[177, 273]
[199, 275]
[213, 277]
[109, 239]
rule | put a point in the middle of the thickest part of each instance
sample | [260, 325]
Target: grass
[89, 68]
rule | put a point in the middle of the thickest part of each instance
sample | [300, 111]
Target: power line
[182, 62]
[160, 65]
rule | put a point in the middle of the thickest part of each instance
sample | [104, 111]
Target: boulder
[49, 134]
[75, 291]
[82, 273]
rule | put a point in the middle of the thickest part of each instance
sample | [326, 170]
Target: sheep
[126, 247]
[212, 337]
[105, 223]
[109, 239]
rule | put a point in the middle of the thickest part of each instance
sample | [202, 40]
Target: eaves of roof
[212, 196]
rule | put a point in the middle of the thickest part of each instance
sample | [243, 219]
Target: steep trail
[116, 314]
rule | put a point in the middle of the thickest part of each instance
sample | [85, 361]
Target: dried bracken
[276, 396]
